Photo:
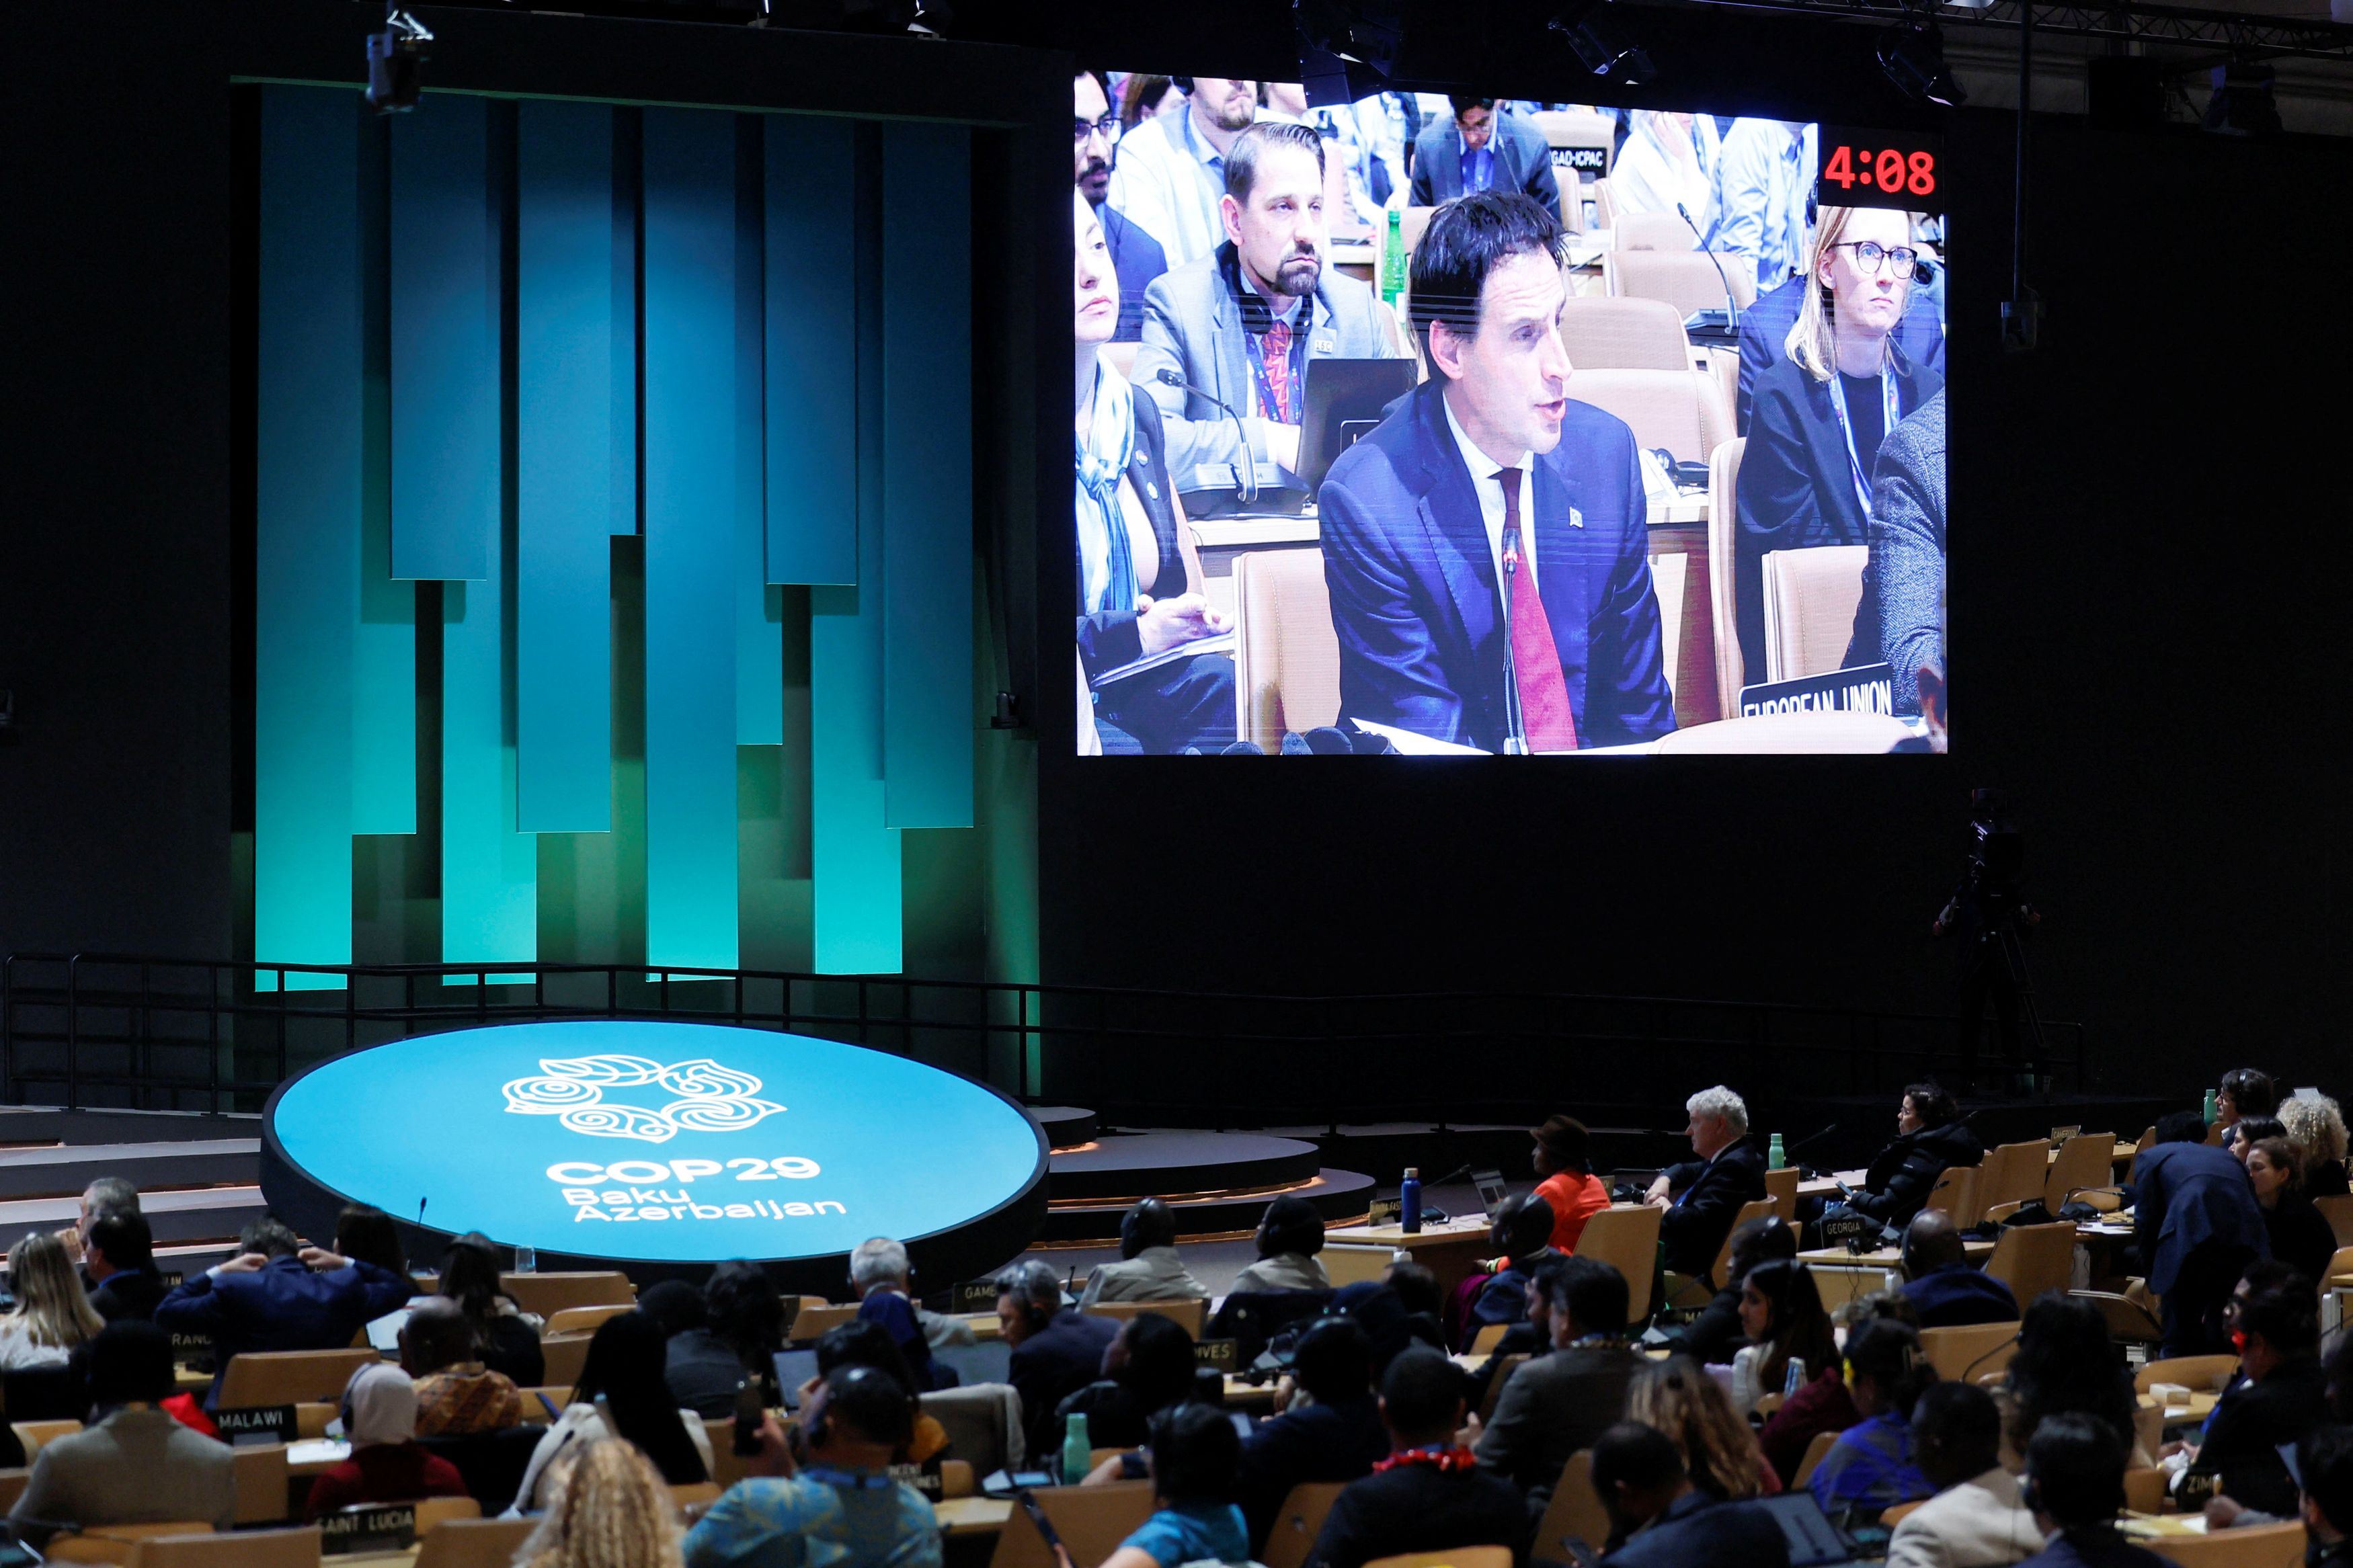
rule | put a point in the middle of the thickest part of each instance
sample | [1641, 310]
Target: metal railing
[101, 1029]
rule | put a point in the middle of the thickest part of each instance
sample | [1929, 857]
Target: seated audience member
[2279, 1397]
[277, 1295]
[880, 1264]
[1563, 1166]
[1197, 1489]
[2324, 1464]
[1290, 1235]
[1387, 1322]
[1765, 342]
[1168, 168]
[106, 1194]
[1133, 576]
[2316, 1128]
[702, 1374]
[1703, 1198]
[1522, 1233]
[387, 1464]
[896, 1316]
[2066, 1364]
[1135, 256]
[747, 1317]
[367, 1234]
[455, 1394]
[2251, 1130]
[1429, 1494]
[1929, 1139]
[1245, 323]
[1335, 1434]
[1530, 1336]
[1763, 188]
[1149, 1268]
[1491, 438]
[864, 1343]
[1417, 1288]
[2075, 1482]
[2244, 1092]
[1906, 566]
[1662, 166]
[1559, 1402]
[1056, 1351]
[118, 1255]
[2198, 1226]
[133, 1464]
[1663, 1521]
[1781, 1314]
[1715, 1336]
[2301, 1235]
[1945, 1290]
[622, 1393]
[1821, 413]
[1481, 147]
[608, 1505]
[509, 1335]
[1719, 1452]
[1870, 1467]
[846, 1508]
[1148, 1367]
[52, 1317]
[1978, 1518]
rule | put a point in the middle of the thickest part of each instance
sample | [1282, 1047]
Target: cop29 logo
[698, 1095]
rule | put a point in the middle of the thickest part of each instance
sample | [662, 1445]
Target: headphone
[1183, 84]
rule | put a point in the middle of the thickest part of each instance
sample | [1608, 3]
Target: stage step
[1067, 1126]
[1163, 1164]
[33, 1124]
[1338, 1195]
[207, 1213]
[65, 1171]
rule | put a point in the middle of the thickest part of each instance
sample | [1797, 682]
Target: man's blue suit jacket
[1414, 596]
[282, 1306]
[2187, 1193]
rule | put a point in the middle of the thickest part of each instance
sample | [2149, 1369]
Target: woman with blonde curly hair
[1681, 1399]
[610, 1509]
[2317, 1130]
[53, 1317]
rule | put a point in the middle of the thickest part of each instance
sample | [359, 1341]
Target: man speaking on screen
[1485, 545]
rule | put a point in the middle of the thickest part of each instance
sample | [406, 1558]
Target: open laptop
[1814, 1541]
[1345, 398]
[1493, 1193]
[990, 1361]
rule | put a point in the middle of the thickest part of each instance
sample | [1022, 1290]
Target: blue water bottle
[1409, 1201]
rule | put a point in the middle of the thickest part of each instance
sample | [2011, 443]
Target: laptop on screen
[1345, 398]
[990, 1361]
[1814, 1541]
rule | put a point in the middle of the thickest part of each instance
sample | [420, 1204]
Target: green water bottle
[1077, 1452]
[2210, 1108]
[1775, 1158]
[1393, 259]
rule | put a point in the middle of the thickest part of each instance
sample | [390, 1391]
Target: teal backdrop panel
[625, 126]
[565, 311]
[383, 646]
[759, 609]
[927, 547]
[812, 353]
[307, 433]
[444, 355]
[854, 857]
[691, 410]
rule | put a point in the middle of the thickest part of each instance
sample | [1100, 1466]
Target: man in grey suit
[1906, 568]
[1560, 1403]
[1481, 150]
[136, 1464]
[1244, 323]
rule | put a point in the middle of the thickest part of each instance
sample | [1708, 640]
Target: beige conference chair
[1603, 333]
[1286, 655]
[1680, 410]
[1687, 280]
[1809, 602]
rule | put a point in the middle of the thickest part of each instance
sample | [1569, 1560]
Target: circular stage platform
[660, 1148]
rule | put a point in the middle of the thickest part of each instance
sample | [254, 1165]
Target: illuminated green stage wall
[613, 534]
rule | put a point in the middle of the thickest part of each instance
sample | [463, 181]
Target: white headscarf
[380, 1406]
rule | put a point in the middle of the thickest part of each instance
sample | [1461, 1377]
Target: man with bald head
[1945, 1288]
[455, 1394]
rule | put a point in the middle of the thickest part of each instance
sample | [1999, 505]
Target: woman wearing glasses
[1822, 411]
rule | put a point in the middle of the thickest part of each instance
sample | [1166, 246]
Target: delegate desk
[1453, 1251]
[1843, 1276]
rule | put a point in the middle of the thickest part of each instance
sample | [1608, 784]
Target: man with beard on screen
[1486, 545]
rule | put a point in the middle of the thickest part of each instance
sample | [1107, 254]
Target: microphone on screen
[1730, 305]
[1245, 469]
[420, 1213]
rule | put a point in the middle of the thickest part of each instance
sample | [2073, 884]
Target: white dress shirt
[1490, 489]
[1167, 180]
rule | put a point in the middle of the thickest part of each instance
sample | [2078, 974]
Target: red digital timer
[1879, 169]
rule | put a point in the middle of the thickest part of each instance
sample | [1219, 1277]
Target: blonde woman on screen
[1822, 413]
[1134, 602]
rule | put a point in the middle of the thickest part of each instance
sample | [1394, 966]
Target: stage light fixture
[1346, 50]
[395, 59]
[2245, 101]
[1600, 48]
[1911, 53]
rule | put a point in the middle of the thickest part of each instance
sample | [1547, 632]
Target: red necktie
[1275, 349]
[1543, 691]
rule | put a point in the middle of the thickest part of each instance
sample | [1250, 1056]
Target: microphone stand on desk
[1245, 466]
[1731, 303]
